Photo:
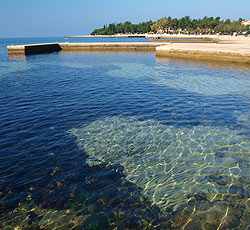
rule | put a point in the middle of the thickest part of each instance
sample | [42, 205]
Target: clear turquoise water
[122, 140]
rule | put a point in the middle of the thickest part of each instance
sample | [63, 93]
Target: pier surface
[209, 51]
[218, 48]
[95, 46]
[110, 46]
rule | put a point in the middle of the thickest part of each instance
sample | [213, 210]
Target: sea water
[122, 140]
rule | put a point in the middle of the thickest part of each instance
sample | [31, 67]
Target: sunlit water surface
[122, 141]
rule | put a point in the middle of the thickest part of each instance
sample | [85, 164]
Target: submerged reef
[199, 173]
[141, 174]
[98, 199]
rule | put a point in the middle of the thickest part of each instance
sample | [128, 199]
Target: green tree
[207, 24]
[174, 24]
[160, 24]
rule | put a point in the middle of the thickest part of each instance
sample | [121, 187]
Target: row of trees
[206, 24]
[126, 27]
[170, 25]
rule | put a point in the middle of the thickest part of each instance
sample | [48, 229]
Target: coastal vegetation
[174, 25]
[126, 27]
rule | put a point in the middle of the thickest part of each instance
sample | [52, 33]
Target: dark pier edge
[39, 49]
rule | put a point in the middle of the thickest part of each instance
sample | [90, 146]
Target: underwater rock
[238, 191]
[219, 154]
[98, 221]
[185, 170]
[232, 219]
[220, 180]
[181, 217]
[206, 215]
[165, 161]
[193, 225]
[248, 204]
[130, 223]
[199, 196]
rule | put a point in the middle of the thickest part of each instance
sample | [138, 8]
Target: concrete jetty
[33, 49]
[110, 46]
[218, 48]
[95, 46]
[209, 51]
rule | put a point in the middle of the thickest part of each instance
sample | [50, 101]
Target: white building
[246, 23]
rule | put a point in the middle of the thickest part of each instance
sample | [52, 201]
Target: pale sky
[48, 18]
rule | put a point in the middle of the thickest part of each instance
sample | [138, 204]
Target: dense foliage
[206, 24]
[171, 25]
[126, 27]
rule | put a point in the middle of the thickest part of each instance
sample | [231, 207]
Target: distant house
[170, 30]
[246, 23]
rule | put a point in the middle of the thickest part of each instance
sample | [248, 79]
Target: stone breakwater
[210, 51]
[220, 48]
[110, 46]
[231, 49]
[95, 46]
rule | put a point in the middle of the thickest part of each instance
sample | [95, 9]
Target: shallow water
[122, 140]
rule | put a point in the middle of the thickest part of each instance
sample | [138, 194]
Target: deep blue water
[116, 140]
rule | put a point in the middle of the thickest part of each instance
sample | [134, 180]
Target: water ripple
[135, 108]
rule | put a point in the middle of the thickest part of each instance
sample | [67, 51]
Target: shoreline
[212, 47]
[161, 36]
[226, 48]
[213, 52]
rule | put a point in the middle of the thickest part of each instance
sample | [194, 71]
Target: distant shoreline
[160, 36]
[109, 36]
